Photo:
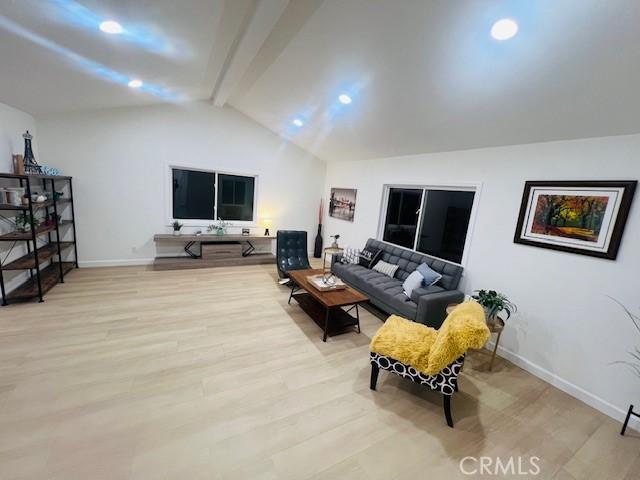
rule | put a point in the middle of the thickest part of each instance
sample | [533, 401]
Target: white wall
[120, 158]
[13, 123]
[567, 331]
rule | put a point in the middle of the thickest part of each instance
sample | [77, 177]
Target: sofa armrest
[335, 258]
[432, 307]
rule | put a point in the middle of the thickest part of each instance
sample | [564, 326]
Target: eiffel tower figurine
[31, 167]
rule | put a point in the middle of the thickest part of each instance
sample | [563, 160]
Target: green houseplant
[634, 362]
[24, 222]
[177, 226]
[494, 303]
[219, 228]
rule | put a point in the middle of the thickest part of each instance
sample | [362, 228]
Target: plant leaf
[634, 318]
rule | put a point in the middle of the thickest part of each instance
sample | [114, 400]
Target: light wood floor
[126, 373]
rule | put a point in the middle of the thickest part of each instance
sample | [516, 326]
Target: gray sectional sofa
[427, 305]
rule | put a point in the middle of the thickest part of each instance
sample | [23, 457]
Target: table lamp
[266, 223]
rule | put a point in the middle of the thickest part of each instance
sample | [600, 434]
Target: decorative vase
[317, 250]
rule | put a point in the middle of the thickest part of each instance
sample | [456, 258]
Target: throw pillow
[386, 268]
[412, 282]
[369, 257]
[431, 277]
[351, 255]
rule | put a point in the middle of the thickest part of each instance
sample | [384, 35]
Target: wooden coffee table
[325, 308]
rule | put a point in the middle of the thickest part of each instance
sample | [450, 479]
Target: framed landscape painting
[578, 217]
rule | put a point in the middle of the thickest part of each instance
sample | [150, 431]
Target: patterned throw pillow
[386, 268]
[351, 255]
[369, 257]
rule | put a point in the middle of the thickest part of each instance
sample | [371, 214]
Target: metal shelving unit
[41, 278]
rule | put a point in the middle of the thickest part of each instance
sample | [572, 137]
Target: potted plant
[24, 222]
[494, 303]
[218, 228]
[177, 226]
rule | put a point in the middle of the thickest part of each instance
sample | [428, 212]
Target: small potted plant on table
[177, 226]
[218, 228]
[494, 303]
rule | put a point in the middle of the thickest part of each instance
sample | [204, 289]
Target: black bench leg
[375, 369]
[447, 410]
[626, 421]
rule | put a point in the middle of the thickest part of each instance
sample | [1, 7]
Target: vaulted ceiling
[424, 76]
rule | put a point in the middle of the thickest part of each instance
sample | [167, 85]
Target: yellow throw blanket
[428, 350]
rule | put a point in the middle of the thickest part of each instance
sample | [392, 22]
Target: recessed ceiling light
[504, 29]
[135, 83]
[344, 99]
[297, 122]
[111, 26]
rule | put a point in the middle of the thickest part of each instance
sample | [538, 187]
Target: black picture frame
[618, 223]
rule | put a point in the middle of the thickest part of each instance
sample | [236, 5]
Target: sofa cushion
[387, 268]
[369, 257]
[430, 276]
[418, 292]
[412, 282]
[356, 275]
[408, 261]
[379, 287]
[390, 292]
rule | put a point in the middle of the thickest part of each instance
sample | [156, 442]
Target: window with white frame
[210, 195]
[429, 220]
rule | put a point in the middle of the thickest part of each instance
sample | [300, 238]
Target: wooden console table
[214, 251]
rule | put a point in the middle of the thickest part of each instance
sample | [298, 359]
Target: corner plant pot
[176, 232]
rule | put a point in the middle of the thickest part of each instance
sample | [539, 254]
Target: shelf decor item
[218, 228]
[18, 164]
[177, 226]
[584, 217]
[25, 222]
[31, 167]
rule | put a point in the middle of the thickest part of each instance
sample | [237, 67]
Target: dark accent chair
[291, 246]
[427, 305]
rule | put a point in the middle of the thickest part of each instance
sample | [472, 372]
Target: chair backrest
[464, 328]
[408, 261]
[291, 250]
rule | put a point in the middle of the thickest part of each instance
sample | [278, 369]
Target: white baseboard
[115, 263]
[569, 388]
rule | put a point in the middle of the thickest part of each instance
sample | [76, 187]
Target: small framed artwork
[581, 217]
[342, 203]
